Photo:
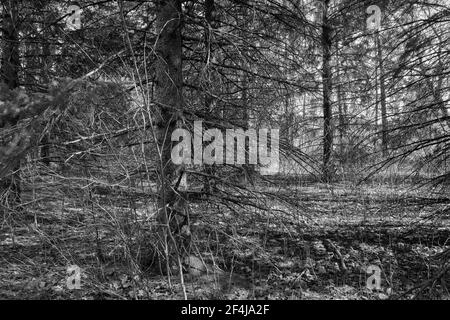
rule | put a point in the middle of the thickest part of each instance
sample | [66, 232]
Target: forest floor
[322, 249]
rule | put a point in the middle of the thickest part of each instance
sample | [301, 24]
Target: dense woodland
[91, 92]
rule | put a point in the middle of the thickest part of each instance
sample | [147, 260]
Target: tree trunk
[168, 96]
[10, 63]
[248, 168]
[384, 125]
[209, 82]
[375, 142]
[46, 63]
[327, 87]
[340, 101]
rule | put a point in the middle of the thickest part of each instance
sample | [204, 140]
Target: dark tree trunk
[209, 84]
[327, 87]
[168, 96]
[384, 123]
[248, 170]
[46, 63]
[341, 102]
[10, 63]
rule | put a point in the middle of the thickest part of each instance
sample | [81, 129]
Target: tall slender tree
[169, 99]
[10, 64]
[327, 89]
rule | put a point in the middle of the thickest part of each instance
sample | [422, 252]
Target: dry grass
[248, 253]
